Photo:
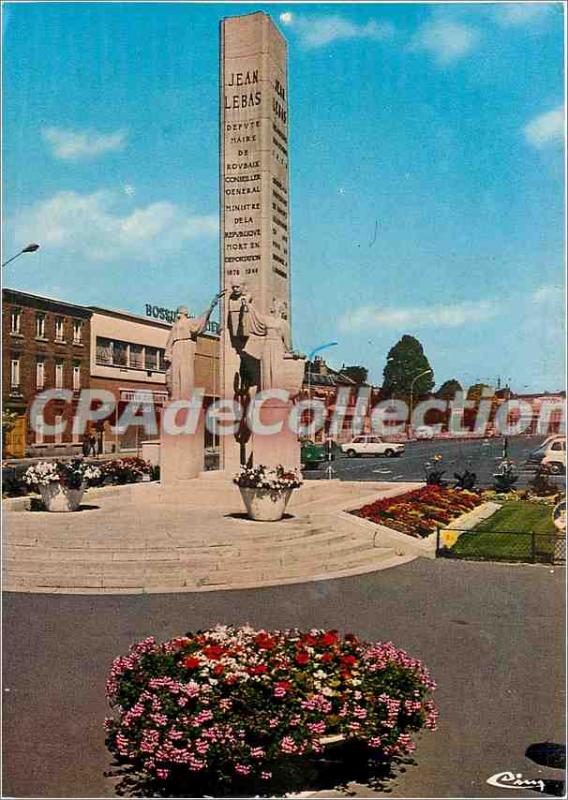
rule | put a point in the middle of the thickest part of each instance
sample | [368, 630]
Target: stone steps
[189, 578]
[146, 539]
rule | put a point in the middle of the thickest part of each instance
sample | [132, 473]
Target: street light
[412, 382]
[30, 248]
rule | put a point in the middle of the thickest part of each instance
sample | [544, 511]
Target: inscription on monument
[254, 168]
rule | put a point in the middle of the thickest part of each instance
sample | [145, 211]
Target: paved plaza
[195, 537]
[491, 635]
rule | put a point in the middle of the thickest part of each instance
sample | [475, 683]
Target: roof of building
[17, 296]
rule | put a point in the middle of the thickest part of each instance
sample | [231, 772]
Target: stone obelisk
[254, 206]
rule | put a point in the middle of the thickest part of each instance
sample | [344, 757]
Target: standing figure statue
[180, 350]
[269, 342]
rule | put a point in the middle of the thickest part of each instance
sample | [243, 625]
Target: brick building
[46, 345]
[127, 359]
[338, 392]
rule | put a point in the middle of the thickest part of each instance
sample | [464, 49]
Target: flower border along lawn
[507, 535]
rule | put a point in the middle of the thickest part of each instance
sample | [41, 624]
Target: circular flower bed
[228, 705]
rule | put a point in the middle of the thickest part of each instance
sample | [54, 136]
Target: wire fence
[479, 545]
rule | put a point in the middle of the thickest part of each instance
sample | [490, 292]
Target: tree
[449, 389]
[476, 390]
[356, 373]
[405, 361]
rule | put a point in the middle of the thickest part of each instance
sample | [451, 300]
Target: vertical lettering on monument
[254, 231]
[254, 158]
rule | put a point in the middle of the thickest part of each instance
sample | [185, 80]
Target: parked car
[372, 446]
[424, 432]
[313, 454]
[554, 459]
[550, 456]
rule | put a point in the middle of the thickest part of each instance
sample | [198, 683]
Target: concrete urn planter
[265, 505]
[56, 497]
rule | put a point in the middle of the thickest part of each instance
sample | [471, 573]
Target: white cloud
[440, 316]
[93, 227]
[446, 40]
[548, 293]
[316, 32]
[510, 15]
[69, 145]
[547, 128]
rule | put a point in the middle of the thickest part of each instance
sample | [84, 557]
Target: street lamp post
[412, 382]
[30, 248]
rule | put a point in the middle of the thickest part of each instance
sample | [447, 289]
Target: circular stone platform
[192, 538]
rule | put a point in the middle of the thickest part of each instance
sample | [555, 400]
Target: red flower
[265, 642]
[213, 652]
[348, 661]
[329, 638]
[308, 639]
[302, 658]
[259, 669]
[327, 657]
[218, 669]
[191, 662]
[283, 685]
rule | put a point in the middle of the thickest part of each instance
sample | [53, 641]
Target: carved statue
[269, 343]
[180, 350]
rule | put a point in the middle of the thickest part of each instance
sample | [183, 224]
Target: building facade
[52, 344]
[127, 359]
[46, 345]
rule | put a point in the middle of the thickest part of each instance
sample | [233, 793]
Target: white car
[424, 432]
[372, 446]
[554, 459]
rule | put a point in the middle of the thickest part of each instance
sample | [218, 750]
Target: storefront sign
[170, 315]
[142, 396]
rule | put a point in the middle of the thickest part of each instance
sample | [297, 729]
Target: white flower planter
[56, 497]
[265, 505]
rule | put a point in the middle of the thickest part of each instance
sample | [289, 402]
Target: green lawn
[507, 535]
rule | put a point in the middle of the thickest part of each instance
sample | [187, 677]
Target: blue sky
[427, 175]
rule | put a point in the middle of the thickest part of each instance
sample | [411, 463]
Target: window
[136, 356]
[40, 326]
[39, 439]
[151, 358]
[104, 350]
[15, 320]
[40, 373]
[59, 374]
[120, 354]
[77, 331]
[76, 375]
[58, 329]
[161, 356]
[59, 435]
[15, 373]
[556, 446]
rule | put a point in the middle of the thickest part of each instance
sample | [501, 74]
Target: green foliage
[449, 389]
[8, 420]
[542, 486]
[356, 373]
[506, 478]
[405, 361]
[465, 480]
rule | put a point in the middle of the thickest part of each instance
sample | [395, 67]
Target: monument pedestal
[273, 449]
[182, 455]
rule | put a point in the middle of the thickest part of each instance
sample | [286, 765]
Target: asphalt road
[482, 456]
[491, 634]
